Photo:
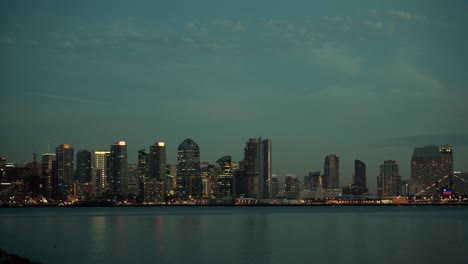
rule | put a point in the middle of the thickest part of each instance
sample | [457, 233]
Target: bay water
[285, 235]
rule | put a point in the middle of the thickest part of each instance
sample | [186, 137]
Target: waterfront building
[157, 161]
[359, 176]
[99, 167]
[83, 166]
[460, 182]
[274, 186]
[331, 178]
[388, 181]
[224, 181]
[142, 164]
[48, 170]
[291, 186]
[188, 169]
[118, 169]
[431, 163]
[257, 167]
[64, 170]
[313, 180]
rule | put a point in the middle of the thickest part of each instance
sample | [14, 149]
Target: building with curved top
[188, 169]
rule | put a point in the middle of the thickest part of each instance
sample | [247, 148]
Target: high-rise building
[157, 161]
[331, 178]
[64, 169]
[83, 166]
[431, 163]
[99, 171]
[389, 179]
[359, 176]
[48, 160]
[142, 164]
[291, 186]
[313, 180]
[188, 169]
[118, 168]
[224, 180]
[257, 167]
[266, 170]
[274, 186]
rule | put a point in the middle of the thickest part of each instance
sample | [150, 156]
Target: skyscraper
[157, 161]
[83, 166]
[331, 179]
[48, 160]
[188, 169]
[224, 179]
[388, 182]
[99, 171]
[257, 167]
[118, 168]
[431, 163]
[266, 170]
[142, 164]
[64, 169]
[359, 176]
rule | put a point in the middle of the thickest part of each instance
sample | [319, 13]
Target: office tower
[266, 170]
[274, 186]
[83, 166]
[157, 161]
[431, 163]
[118, 169]
[359, 176]
[224, 179]
[291, 186]
[388, 182]
[313, 180]
[64, 169]
[188, 169]
[331, 178]
[257, 167]
[48, 160]
[142, 164]
[209, 176]
[99, 171]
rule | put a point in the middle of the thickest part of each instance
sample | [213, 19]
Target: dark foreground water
[283, 235]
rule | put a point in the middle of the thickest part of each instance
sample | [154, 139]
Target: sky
[368, 80]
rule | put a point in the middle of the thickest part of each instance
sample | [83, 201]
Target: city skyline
[370, 80]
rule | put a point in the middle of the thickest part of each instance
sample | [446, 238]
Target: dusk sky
[367, 80]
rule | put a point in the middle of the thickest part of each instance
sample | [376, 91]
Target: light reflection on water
[236, 235]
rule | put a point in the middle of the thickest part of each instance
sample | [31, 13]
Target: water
[283, 235]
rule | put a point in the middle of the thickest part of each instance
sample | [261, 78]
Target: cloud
[406, 16]
[69, 99]
[337, 58]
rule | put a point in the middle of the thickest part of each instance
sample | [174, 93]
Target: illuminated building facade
[331, 178]
[118, 169]
[142, 164]
[224, 180]
[389, 179]
[188, 169]
[63, 177]
[99, 167]
[431, 163]
[157, 161]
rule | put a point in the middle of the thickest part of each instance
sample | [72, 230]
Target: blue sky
[368, 80]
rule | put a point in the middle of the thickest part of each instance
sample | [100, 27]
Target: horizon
[367, 80]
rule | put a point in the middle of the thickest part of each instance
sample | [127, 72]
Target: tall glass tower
[188, 169]
[118, 168]
[331, 179]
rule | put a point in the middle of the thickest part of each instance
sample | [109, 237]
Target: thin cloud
[70, 99]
